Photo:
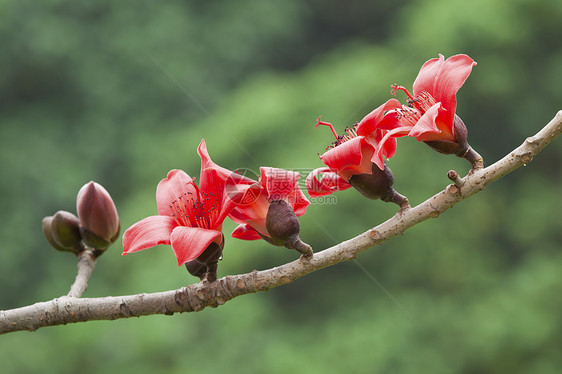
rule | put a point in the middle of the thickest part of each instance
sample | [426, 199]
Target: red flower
[354, 152]
[274, 185]
[430, 116]
[189, 217]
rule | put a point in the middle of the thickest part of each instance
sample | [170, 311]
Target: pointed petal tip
[202, 147]
[148, 233]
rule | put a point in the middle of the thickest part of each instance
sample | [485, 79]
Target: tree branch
[204, 294]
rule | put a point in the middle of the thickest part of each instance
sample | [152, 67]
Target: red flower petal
[433, 125]
[389, 122]
[377, 157]
[349, 158]
[242, 195]
[207, 163]
[176, 184]
[253, 214]
[328, 183]
[212, 183]
[426, 79]
[443, 78]
[283, 184]
[388, 148]
[298, 201]
[147, 233]
[371, 121]
[245, 232]
[278, 183]
[190, 242]
[426, 123]
[224, 189]
[251, 203]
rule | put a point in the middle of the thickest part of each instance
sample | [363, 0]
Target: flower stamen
[408, 116]
[425, 101]
[318, 122]
[396, 88]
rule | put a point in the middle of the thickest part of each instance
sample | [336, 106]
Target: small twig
[86, 265]
[454, 176]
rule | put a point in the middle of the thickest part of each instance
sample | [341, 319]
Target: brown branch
[86, 265]
[201, 295]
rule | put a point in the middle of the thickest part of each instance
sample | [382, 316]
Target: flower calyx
[379, 185]
[206, 264]
[284, 228]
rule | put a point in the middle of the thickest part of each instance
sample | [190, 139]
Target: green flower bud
[47, 221]
[65, 231]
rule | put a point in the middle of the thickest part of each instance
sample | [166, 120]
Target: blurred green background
[122, 92]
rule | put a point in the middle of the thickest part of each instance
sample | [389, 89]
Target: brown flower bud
[205, 265]
[283, 226]
[99, 222]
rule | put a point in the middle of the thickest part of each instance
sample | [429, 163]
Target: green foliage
[122, 92]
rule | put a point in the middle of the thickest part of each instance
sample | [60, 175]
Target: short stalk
[296, 243]
[474, 158]
[86, 265]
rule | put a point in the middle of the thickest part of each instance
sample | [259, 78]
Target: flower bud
[99, 222]
[283, 226]
[47, 221]
[205, 265]
[65, 231]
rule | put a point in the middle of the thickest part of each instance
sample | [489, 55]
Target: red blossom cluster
[356, 158]
[190, 216]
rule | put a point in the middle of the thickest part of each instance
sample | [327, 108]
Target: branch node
[200, 294]
[454, 176]
[240, 283]
[374, 234]
[526, 158]
[452, 189]
[180, 297]
[284, 279]
[531, 140]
